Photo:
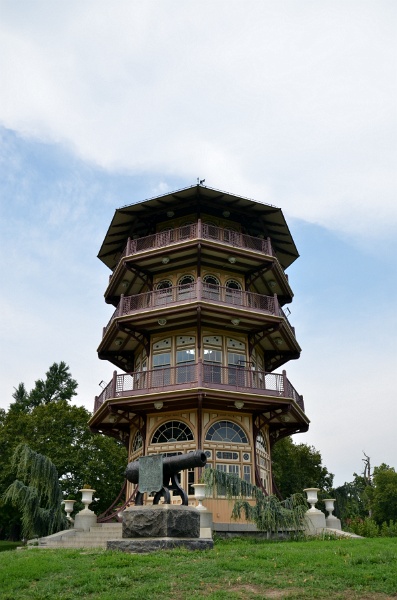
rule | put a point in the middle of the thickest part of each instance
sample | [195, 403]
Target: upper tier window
[226, 431]
[172, 431]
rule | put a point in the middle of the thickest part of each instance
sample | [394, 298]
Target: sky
[105, 103]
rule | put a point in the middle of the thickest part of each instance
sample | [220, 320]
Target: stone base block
[205, 519]
[154, 544]
[161, 521]
[314, 521]
[85, 519]
[333, 522]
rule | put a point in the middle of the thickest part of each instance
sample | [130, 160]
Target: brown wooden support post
[199, 229]
[199, 289]
[285, 383]
[269, 247]
[114, 384]
[200, 422]
[120, 306]
[276, 305]
[128, 250]
[200, 373]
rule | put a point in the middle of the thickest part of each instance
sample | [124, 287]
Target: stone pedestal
[85, 519]
[333, 522]
[150, 528]
[161, 520]
[314, 521]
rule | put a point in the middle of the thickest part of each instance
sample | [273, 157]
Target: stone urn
[200, 493]
[68, 505]
[331, 521]
[312, 497]
[314, 518]
[86, 518]
[329, 506]
[86, 497]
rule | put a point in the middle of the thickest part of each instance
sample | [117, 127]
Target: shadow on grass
[4, 545]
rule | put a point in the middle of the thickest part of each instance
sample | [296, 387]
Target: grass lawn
[236, 568]
[8, 545]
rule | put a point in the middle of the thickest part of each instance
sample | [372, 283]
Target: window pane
[185, 356]
[160, 360]
[212, 355]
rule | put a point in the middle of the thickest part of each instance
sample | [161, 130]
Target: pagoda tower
[199, 336]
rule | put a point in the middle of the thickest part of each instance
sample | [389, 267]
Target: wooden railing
[197, 291]
[198, 231]
[232, 378]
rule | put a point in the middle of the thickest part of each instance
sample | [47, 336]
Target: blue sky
[108, 103]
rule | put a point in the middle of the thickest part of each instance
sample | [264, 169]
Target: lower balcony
[199, 375]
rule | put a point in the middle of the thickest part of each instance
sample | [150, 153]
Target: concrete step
[96, 537]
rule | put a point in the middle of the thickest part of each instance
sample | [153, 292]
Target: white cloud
[291, 104]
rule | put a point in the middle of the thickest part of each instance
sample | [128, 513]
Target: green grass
[236, 568]
[8, 545]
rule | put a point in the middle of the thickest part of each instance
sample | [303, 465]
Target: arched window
[163, 292]
[186, 280]
[226, 431]
[260, 443]
[211, 287]
[185, 287]
[137, 442]
[234, 293]
[236, 458]
[263, 458]
[185, 230]
[164, 284]
[172, 431]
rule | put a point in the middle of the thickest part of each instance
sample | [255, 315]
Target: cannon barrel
[171, 464]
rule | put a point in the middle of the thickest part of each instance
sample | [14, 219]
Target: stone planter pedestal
[331, 521]
[86, 518]
[314, 518]
[206, 522]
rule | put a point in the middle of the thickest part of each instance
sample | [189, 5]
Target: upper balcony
[255, 389]
[216, 247]
[194, 305]
[234, 303]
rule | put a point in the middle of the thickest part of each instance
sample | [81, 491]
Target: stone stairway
[96, 537]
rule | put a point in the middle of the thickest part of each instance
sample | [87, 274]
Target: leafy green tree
[298, 466]
[36, 493]
[382, 494]
[58, 385]
[58, 429]
[351, 500]
[267, 512]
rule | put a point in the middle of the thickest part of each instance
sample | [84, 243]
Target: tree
[382, 495]
[36, 493]
[351, 499]
[267, 512]
[298, 466]
[58, 429]
[57, 386]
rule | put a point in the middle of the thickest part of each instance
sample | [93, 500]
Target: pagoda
[199, 336]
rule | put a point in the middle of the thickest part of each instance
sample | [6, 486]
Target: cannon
[172, 466]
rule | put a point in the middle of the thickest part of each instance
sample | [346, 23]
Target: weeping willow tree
[267, 512]
[36, 493]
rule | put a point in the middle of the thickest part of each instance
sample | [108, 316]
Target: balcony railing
[198, 231]
[197, 291]
[209, 375]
